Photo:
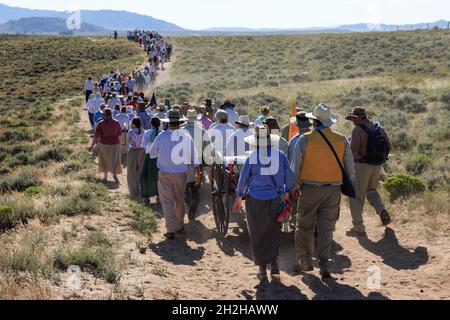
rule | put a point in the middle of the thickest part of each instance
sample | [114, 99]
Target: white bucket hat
[322, 113]
[192, 115]
[244, 120]
[262, 136]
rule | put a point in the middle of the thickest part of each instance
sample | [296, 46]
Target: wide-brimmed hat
[301, 121]
[174, 116]
[322, 113]
[263, 138]
[192, 115]
[227, 104]
[244, 120]
[221, 115]
[356, 113]
[271, 123]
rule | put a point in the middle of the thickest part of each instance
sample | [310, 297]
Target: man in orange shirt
[320, 177]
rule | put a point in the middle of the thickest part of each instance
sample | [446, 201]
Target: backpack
[377, 146]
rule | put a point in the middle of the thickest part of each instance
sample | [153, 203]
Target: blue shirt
[145, 119]
[262, 182]
[291, 148]
[98, 116]
[175, 151]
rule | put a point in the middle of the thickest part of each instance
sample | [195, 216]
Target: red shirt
[108, 132]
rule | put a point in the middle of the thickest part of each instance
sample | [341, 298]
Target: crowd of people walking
[166, 150]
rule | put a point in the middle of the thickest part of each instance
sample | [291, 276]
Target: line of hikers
[167, 149]
[154, 45]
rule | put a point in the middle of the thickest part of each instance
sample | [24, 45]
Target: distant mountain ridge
[108, 19]
[359, 27]
[43, 25]
[124, 20]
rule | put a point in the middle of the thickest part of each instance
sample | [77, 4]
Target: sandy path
[204, 265]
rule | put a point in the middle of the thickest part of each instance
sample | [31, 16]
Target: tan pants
[171, 188]
[367, 179]
[318, 206]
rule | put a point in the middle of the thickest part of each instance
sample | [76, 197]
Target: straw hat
[174, 116]
[244, 120]
[262, 137]
[192, 115]
[322, 113]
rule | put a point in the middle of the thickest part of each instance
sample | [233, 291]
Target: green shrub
[14, 212]
[86, 200]
[25, 178]
[403, 186]
[144, 220]
[34, 191]
[95, 256]
[57, 154]
[418, 163]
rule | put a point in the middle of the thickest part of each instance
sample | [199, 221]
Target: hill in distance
[42, 25]
[107, 19]
[124, 20]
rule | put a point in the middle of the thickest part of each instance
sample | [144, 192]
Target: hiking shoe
[325, 275]
[181, 231]
[262, 276]
[274, 269]
[191, 215]
[385, 218]
[356, 234]
[169, 235]
[304, 266]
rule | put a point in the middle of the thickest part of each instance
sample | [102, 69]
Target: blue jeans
[91, 119]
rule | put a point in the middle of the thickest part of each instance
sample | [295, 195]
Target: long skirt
[134, 169]
[109, 158]
[264, 230]
[149, 178]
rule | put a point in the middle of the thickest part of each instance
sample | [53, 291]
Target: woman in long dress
[107, 140]
[149, 176]
[265, 175]
[135, 158]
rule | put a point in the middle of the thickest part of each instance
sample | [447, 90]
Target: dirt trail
[204, 265]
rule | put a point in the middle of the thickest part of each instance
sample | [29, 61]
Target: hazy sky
[199, 14]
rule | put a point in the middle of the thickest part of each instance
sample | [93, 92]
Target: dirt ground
[202, 264]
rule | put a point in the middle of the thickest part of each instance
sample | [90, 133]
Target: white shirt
[124, 120]
[146, 143]
[236, 146]
[89, 85]
[92, 106]
[219, 136]
[233, 116]
[98, 101]
[113, 101]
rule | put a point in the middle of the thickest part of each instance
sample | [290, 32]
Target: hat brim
[326, 122]
[351, 117]
[274, 140]
[245, 124]
[174, 120]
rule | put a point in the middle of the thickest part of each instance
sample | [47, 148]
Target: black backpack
[377, 146]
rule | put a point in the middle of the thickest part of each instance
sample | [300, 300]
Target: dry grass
[401, 78]
[23, 287]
